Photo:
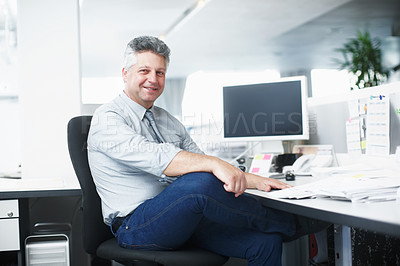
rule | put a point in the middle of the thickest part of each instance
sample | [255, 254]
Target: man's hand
[234, 179]
[186, 162]
[264, 183]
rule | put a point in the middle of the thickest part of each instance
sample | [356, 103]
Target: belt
[117, 222]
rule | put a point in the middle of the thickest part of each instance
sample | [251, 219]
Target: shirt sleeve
[189, 144]
[186, 140]
[111, 135]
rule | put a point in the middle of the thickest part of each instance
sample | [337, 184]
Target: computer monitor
[275, 111]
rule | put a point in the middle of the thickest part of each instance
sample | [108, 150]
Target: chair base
[188, 256]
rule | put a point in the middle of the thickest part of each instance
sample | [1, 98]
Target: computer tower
[46, 250]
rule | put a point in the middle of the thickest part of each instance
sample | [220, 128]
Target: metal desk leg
[342, 237]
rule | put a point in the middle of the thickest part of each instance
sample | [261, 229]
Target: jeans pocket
[140, 238]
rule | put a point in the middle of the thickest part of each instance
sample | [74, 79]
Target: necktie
[149, 116]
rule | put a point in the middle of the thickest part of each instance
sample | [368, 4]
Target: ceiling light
[186, 15]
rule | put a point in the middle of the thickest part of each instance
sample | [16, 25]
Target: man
[159, 190]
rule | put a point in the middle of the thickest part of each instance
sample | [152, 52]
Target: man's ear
[124, 74]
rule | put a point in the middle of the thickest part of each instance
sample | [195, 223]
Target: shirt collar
[137, 108]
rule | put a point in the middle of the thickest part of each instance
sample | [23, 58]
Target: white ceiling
[288, 35]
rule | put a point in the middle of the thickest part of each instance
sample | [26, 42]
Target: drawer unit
[9, 209]
[9, 225]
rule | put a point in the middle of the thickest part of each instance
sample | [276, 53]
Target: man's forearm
[251, 180]
[234, 179]
[188, 162]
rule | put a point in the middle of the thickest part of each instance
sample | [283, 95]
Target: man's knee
[202, 182]
[202, 178]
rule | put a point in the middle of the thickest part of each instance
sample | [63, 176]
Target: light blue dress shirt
[125, 159]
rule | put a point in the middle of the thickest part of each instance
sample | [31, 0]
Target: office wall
[49, 84]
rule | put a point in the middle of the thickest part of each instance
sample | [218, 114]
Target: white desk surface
[383, 217]
[31, 187]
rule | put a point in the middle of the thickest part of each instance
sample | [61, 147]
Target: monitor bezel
[304, 121]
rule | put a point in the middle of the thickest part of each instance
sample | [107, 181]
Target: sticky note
[255, 170]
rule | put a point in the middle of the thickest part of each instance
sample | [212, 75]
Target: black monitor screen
[272, 109]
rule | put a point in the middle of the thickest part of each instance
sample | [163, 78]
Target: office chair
[97, 237]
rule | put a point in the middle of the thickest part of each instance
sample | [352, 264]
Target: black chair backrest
[94, 229]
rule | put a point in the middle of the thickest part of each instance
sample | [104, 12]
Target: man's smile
[151, 88]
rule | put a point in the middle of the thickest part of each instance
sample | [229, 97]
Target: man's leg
[256, 247]
[168, 220]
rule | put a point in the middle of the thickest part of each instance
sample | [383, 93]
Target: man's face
[144, 81]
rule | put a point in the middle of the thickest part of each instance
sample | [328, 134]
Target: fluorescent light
[186, 15]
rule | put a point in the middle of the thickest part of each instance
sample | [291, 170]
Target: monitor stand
[271, 146]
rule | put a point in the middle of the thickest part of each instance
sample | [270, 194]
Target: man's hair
[142, 44]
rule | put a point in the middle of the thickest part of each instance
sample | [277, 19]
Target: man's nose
[152, 77]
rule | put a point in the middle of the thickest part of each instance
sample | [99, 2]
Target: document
[353, 106]
[11, 172]
[353, 137]
[355, 186]
[378, 126]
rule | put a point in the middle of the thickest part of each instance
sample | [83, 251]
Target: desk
[22, 194]
[381, 217]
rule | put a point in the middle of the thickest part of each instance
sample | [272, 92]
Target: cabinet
[9, 225]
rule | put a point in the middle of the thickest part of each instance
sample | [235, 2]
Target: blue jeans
[196, 209]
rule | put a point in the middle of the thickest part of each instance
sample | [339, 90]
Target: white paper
[360, 186]
[378, 126]
[353, 136]
[353, 108]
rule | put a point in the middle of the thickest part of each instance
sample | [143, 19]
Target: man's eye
[160, 73]
[143, 71]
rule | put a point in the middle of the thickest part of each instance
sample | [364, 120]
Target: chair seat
[188, 256]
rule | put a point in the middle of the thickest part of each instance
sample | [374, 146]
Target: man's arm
[235, 180]
[187, 162]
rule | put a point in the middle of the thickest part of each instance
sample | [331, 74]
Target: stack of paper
[14, 172]
[356, 187]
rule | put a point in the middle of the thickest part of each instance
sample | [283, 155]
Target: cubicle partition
[327, 117]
